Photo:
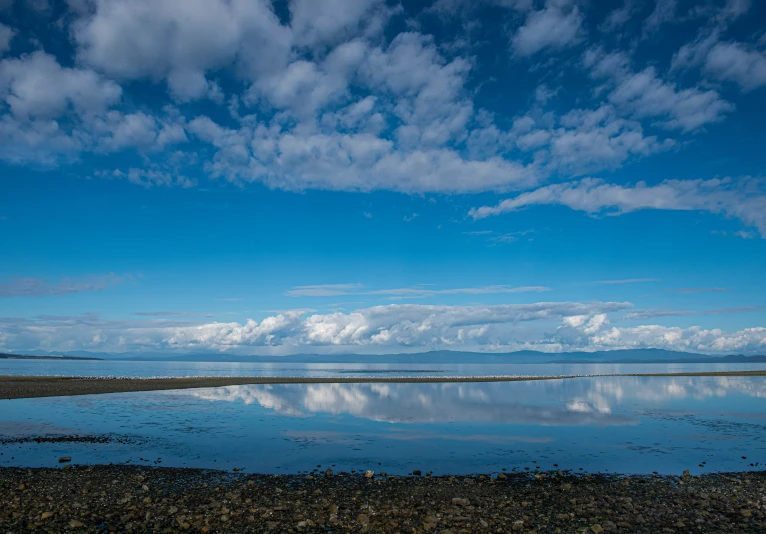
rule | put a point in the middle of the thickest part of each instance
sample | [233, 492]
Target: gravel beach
[20, 387]
[142, 499]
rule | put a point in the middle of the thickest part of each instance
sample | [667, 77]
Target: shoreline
[25, 387]
[160, 499]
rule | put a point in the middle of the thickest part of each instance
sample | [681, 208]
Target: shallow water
[619, 424]
[142, 369]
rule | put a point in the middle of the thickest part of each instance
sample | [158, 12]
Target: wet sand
[24, 387]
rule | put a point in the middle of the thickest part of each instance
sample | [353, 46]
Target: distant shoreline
[25, 357]
[25, 387]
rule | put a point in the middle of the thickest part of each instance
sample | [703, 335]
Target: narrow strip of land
[25, 387]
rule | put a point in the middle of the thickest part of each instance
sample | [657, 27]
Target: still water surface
[328, 370]
[621, 424]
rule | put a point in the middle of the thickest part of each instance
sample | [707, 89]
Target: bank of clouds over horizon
[542, 326]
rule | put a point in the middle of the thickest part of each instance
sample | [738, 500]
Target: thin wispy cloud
[39, 287]
[329, 290]
[172, 314]
[652, 314]
[702, 289]
[623, 281]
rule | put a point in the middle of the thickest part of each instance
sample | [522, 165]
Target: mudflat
[20, 387]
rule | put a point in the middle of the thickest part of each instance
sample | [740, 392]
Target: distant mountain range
[431, 357]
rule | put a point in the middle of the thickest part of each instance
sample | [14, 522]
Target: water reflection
[632, 424]
[587, 401]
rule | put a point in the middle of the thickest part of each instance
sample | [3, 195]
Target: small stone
[416, 472]
[517, 525]
[369, 473]
[459, 501]
[172, 510]
[46, 515]
[302, 524]
[328, 473]
[596, 528]
[362, 519]
[65, 459]
[76, 524]
[501, 476]
[746, 513]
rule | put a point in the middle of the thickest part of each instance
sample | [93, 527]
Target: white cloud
[181, 40]
[596, 334]
[330, 100]
[557, 25]
[744, 199]
[589, 140]
[314, 23]
[6, 34]
[394, 328]
[664, 12]
[646, 96]
[36, 86]
[737, 63]
[616, 18]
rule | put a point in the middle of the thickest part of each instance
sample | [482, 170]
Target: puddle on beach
[615, 424]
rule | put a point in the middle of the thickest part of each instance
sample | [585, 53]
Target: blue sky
[372, 176]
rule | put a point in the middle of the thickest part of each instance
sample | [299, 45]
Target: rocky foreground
[142, 499]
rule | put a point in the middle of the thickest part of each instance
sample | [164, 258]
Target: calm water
[181, 369]
[624, 424]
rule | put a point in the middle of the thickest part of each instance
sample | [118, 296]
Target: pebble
[190, 500]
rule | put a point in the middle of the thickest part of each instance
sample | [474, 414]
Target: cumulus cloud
[181, 40]
[646, 95]
[6, 34]
[334, 99]
[664, 12]
[558, 25]
[36, 86]
[744, 199]
[316, 23]
[729, 61]
[392, 328]
[37, 287]
[389, 327]
[597, 334]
